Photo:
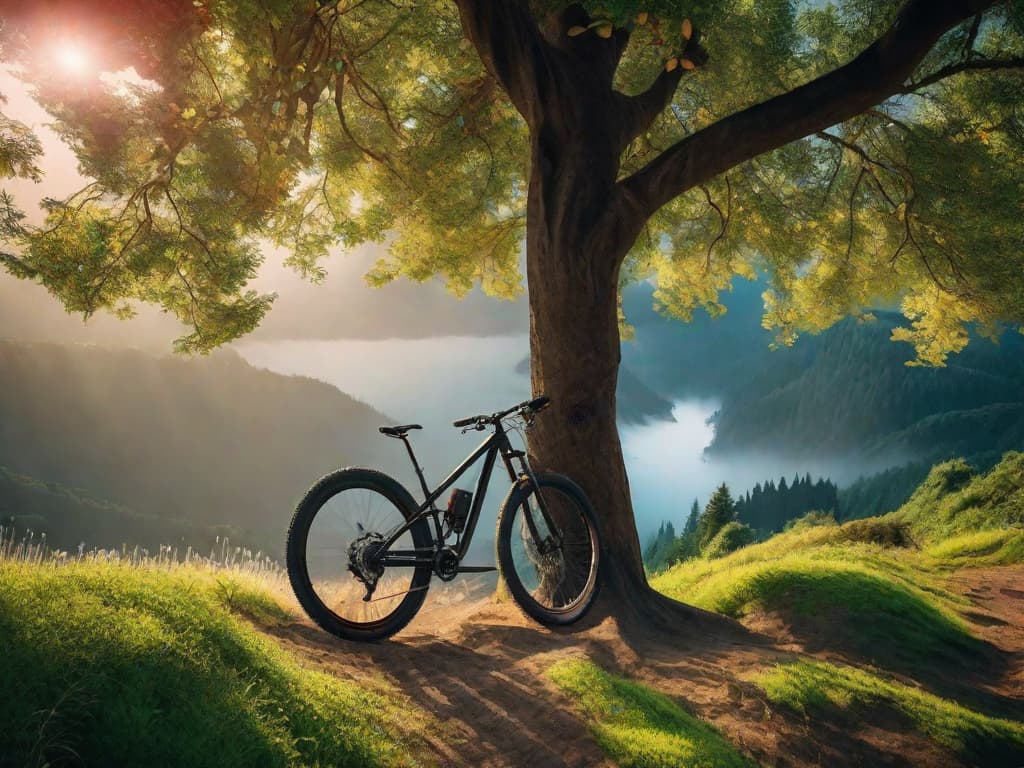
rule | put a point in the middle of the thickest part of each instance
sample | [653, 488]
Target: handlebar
[531, 406]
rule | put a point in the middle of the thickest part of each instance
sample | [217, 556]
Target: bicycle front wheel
[551, 574]
[355, 508]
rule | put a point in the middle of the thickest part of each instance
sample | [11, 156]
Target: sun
[73, 58]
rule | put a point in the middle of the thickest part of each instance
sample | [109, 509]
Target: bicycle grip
[465, 422]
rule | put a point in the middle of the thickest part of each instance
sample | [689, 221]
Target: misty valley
[700, 405]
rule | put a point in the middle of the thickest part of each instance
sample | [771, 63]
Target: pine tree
[691, 521]
[719, 511]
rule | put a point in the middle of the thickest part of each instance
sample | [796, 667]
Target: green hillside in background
[849, 391]
[845, 392]
[205, 441]
[68, 518]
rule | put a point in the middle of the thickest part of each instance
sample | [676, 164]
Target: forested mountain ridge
[849, 391]
[844, 392]
[207, 440]
[69, 518]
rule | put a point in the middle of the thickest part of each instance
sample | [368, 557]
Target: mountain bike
[361, 551]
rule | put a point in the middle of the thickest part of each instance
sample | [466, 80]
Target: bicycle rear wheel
[558, 586]
[355, 507]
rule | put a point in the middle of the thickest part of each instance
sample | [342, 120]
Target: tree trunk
[574, 348]
[572, 262]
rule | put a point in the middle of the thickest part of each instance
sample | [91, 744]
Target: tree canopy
[325, 124]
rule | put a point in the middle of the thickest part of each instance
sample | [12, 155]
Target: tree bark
[582, 220]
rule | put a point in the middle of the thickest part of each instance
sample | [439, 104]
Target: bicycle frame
[495, 444]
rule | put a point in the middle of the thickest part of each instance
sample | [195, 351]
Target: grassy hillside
[876, 593]
[123, 665]
[885, 574]
[872, 649]
[209, 440]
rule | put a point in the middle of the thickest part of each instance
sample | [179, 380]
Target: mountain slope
[845, 392]
[67, 518]
[209, 440]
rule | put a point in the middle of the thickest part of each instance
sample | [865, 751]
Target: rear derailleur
[364, 564]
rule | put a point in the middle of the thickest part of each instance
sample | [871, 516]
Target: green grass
[991, 547]
[639, 727]
[878, 582]
[818, 688]
[953, 501]
[122, 665]
[833, 584]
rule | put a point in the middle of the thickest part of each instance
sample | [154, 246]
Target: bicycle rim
[344, 518]
[561, 580]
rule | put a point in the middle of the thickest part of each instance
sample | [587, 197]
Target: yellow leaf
[188, 113]
[641, 18]
[687, 64]
[605, 31]
[687, 29]
[577, 30]
[670, 65]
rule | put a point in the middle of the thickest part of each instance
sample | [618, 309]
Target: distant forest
[769, 507]
[845, 393]
[725, 524]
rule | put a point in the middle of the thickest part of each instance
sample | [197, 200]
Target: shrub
[731, 537]
[884, 531]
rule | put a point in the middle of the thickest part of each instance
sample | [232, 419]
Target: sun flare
[73, 58]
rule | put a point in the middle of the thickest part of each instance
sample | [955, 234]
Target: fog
[434, 381]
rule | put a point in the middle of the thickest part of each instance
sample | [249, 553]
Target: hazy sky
[343, 306]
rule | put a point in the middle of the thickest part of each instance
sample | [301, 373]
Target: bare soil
[478, 668]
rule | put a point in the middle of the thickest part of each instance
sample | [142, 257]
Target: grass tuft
[639, 727]
[817, 687]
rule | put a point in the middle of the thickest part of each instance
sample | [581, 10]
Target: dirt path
[479, 669]
[998, 618]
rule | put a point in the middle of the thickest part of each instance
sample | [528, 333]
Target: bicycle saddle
[399, 431]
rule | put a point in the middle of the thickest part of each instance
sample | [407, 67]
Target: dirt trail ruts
[478, 668]
[998, 618]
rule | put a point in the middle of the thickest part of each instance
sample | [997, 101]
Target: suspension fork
[554, 540]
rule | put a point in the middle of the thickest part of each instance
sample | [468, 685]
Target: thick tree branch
[879, 72]
[511, 47]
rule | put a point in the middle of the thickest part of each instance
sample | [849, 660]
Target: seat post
[416, 466]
